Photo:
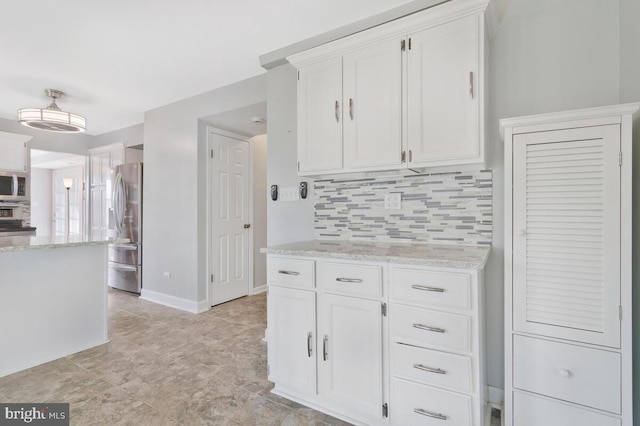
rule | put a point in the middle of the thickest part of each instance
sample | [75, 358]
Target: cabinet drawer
[447, 289]
[432, 367]
[355, 279]
[531, 410]
[292, 272]
[415, 404]
[423, 327]
[573, 373]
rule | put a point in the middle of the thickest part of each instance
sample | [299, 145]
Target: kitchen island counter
[53, 298]
[444, 255]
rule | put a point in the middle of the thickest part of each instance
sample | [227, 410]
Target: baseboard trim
[258, 290]
[496, 396]
[172, 301]
[203, 306]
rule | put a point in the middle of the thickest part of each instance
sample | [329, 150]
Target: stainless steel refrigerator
[124, 212]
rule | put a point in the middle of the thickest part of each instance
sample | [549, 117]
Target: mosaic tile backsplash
[452, 207]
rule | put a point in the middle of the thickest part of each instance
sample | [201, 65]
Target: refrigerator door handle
[123, 268]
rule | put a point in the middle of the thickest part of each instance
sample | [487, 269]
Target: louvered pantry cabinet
[405, 94]
[568, 306]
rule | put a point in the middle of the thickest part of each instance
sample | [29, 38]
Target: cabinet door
[13, 155]
[373, 106]
[350, 356]
[443, 95]
[566, 234]
[100, 164]
[320, 116]
[98, 211]
[291, 343]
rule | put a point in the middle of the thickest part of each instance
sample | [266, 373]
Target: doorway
[230, 212]
[67, 198]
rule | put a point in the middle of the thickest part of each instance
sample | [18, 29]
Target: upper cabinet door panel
[320, 116]
[13, 155]
[373, 106]
[443, 92]
[566, 234]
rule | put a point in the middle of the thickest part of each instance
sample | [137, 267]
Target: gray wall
[41, 181]
[287, 221]
[259, 223]
[546, 55]
[630, 92]
[175, 188]
[78, 143]
[132, 135]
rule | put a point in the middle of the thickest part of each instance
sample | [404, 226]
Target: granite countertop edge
[41, 243]
[465, 263]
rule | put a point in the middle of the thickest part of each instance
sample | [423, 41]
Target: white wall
[175, 154]
[287, 221]
[77, 143]
[630, 92]
[132, 135]
[41, 201]
[259, 224]
[546, 56]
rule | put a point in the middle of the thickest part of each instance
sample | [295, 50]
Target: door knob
[247, 225]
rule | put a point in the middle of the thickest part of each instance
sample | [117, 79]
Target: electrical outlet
[393, 201]
[166, 274]
[290, 194]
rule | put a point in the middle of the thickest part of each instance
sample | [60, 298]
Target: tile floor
[167, 367]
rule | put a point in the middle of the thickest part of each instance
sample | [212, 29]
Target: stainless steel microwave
[14, 186]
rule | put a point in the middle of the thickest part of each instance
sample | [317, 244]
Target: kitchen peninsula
[53, 298]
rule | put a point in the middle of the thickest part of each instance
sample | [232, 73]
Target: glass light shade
[67, 182]
[51, 120]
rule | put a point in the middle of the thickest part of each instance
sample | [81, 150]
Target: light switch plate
[290, 194]
[393, 201]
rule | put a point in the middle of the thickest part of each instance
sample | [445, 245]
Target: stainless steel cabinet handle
[337, 111]
[403, 156]
[471, 84]
[410, 156]
[430, 414]
[427, 288]
[429, 369]
[427, 328]
[351, 108]
[349, 280]
[288, 272]
[325, 350]
[309, 338]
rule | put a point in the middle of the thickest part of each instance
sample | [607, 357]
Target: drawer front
[415, 404]
[125, 253]
[573, 373]
[531, 410]
[291, 272]
[432, 367]
[353, 279]
[448, 289]
[422, 327]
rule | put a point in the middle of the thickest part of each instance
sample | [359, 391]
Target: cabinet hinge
[409, 43]
[620, 313]
[298, 75]
[620, 158]
[298, 166]
[212, 153]
[384, 309]
[385, 410]
[402, 44]
[211, 277]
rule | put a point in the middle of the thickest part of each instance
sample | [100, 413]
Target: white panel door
[98, 209]
[566, 234]
[350, 355]
[230, 213]
[320, 116]
[291, 324]
[443, 96]
[372, 101]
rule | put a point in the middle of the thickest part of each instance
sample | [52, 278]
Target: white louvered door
[566, 234]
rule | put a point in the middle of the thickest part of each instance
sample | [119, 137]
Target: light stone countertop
[25, 243]
[445, 255]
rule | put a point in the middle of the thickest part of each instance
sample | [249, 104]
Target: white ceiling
[116, 59]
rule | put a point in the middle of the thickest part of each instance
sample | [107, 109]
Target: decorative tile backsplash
[453, 207]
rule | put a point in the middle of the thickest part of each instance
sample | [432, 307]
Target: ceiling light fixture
[52, 118]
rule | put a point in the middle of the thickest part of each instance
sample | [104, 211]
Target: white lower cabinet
[377, 343]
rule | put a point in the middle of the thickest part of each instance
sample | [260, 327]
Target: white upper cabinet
[443, 93]
[13, 152]
[406, 94]
[320, 117]
[372, 110]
